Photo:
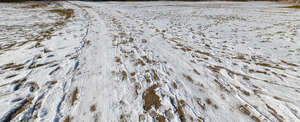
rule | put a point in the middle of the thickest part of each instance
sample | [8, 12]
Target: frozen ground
[149, 61]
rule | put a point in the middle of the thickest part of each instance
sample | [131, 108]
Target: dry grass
[38, 5]
[221, 86]
[160, 118]
[20, 81]
[93, 108]
[198, 73]
[203, 53]
[53, 82]
[11, 76]
[33, 86]
[144, 41]
[74, 96]
[188, 78]
[242, 90]
[200, 104]
[241, 57]
[132, 74]
[175, 85]
[180, 110]
[255, 118]
[67, 13]
[8, 46]
[147, 77]
[131, 39]
[124, 117]
[13, 66]
[186, 49]
[244, 109]
[151, 99]
[208, 101]
[68, 119]
[294, 6]
[147, 59]
[155, 75]
[263, 64]
[39, 65]
[124, 75]
[140, 62]
[274, 112]
[258, 71]
[291, 64]
[117, 59]
[19, 110]
[137, 88]
[215, 69]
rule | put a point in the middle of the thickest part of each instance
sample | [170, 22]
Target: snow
[187, 61]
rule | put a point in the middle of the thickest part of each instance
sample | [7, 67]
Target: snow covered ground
[149, 61]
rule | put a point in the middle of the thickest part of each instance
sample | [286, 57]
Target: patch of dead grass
[291, 64]
[294, 6]
[74, 96]
[151, 99]
[155, 75]
[274, 112]
[67, 13]
[93, 108]
[180, 110]
[19, 109]
[68, 119]
[203, 53]
[189, 78]
[160, 118]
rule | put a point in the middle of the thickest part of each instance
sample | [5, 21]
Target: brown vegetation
[151, 99]
[180, 110]
[68, 119]
[93, 108]
[74, 96]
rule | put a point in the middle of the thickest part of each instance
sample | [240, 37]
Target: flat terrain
[149, 61]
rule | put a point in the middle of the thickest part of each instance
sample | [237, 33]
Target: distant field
[149, 61]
